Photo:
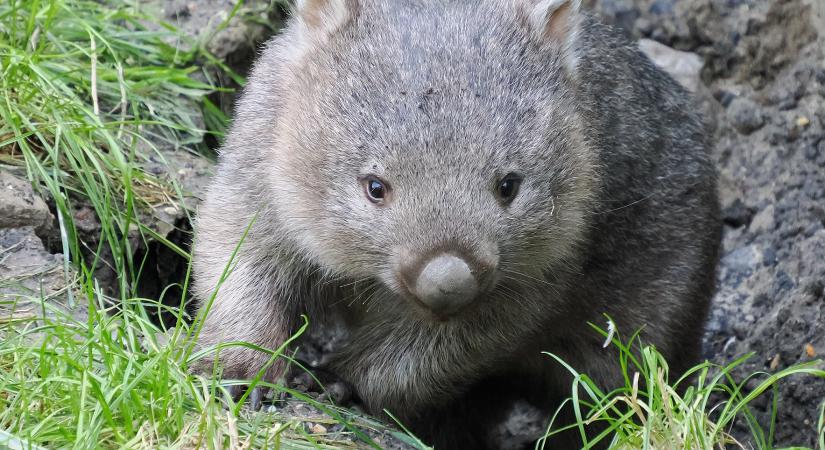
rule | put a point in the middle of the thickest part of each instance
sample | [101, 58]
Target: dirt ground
[762, 88]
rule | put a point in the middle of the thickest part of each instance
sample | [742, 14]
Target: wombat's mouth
[433, 315]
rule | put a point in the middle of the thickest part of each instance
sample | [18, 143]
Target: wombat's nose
[445, 284]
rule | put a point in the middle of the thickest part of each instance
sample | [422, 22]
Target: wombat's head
[435, 147]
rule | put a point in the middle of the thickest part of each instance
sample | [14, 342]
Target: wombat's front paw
[228, 368]
[255, 399]
[329, 385]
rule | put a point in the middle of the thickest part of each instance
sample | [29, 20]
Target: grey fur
[617, 212]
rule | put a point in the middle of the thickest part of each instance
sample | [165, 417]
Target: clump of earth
[757, 68]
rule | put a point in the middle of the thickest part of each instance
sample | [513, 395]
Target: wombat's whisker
[528, 277]
[510, 294]
[355, 282]
[366, 294]
[628, 205]
[375, 295]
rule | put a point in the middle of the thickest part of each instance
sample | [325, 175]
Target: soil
[758, 70]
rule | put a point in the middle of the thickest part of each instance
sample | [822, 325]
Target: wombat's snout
[445, 283]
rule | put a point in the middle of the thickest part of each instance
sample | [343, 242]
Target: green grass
[87, 93]
[118, 381]
[696, 411]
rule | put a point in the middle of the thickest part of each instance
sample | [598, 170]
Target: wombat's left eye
[375, 189]
[508, 187]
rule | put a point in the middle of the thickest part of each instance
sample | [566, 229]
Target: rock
[736, 214]
[745, 115]
[730, 199]
[660, 7]
[764, 221]
[209, 21]
[20, 206]
[23, 253]
[86, 223]
[743, 259]
[684, 67]
[29, 275]
[235, 41]
[724, 97]
[816, 153]
[522, 424]
[817, 15]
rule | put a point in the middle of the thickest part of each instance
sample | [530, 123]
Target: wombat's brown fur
[466, 184]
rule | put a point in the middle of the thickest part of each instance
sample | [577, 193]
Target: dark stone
[769, 256]
[745, 115]
[812, 151]
[783, 282]
[661, 7]
[724, 97]
[737, 214]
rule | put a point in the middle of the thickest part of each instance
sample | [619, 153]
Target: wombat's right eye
[508, 187]
[375, 189]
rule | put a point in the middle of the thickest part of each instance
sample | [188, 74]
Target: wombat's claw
[256, 398]
[233, 391]
[329, 386]
[282, 396]
[304, 381]
[337, 392]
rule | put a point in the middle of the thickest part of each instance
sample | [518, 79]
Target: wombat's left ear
[556, 22]
[325, 16]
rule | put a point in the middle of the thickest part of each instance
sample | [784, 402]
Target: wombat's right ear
[555, 22]
[325, 16]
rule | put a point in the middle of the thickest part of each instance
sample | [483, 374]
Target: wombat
[465, 185]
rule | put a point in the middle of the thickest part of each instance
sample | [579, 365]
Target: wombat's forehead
[446, 65]
[445, 81]
[479, 44]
